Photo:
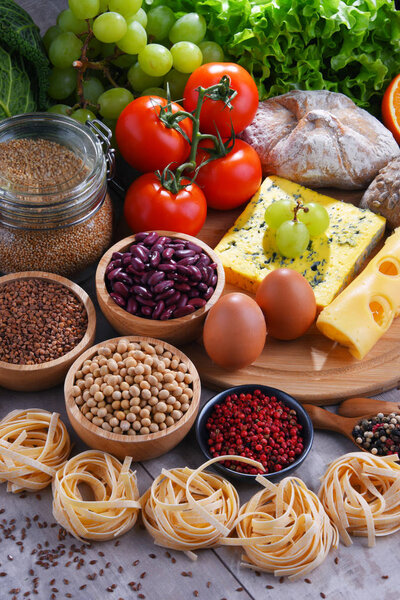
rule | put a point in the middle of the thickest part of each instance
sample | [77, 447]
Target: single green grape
[134, 40]
[212, 52]
[60, 109]
[92, 89]
[64, 50]
[159, 21]
[83, 114]
[155, 60]
[125, 61]
[292, 238]
[139, 80]
[50, 35]
[316, 218]
[62, 83]
[177, 82]
[84, 9]
[186, 57]
[109, 27]
[154, 91]
[126, 8]
[279, 212]
[112, 102]
[140, 17]
[67, 21]
[189, 28]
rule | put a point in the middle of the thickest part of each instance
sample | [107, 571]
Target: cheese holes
[381, 311]
[389, 267]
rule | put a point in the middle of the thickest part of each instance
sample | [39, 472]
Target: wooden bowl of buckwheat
[47, 321]
[132, 396]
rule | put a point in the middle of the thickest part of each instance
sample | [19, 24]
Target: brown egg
[288, 303]
[234, 331]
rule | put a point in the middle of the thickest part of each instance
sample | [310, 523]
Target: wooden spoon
[324, 419]
[358, 407]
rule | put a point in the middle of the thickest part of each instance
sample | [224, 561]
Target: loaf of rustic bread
[320, 139]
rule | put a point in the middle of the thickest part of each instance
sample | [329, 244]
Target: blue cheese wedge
[248, 250]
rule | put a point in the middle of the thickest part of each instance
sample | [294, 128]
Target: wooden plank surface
[134, 558]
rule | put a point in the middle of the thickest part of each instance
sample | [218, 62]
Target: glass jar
[61, 226]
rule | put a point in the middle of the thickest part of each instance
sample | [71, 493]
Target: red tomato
[145, 142]
[229, 181]
[214, 113]
[148, 206]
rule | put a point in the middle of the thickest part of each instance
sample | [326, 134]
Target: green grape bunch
[105, 53]
[295, 223]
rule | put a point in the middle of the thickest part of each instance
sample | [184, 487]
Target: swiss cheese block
[362, 313]
[248, 251]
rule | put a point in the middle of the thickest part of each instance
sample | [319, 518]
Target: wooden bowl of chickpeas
[132, 396]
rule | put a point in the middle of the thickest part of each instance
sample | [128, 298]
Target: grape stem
[299, 206]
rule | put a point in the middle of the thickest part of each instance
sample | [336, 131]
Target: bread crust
[320, 139]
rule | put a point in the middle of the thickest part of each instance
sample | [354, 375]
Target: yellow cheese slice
[248, 250]
[362, 313]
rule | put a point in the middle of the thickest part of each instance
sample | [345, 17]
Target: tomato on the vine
[149, 205]
[145, 141]
[229, 181]
[214, 113]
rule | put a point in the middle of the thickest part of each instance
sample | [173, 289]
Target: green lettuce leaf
[15, 92]
[348, 46]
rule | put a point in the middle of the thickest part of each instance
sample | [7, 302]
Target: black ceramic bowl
[302, 416]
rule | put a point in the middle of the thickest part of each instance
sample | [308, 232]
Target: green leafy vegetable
[24, 67]
[348, 46]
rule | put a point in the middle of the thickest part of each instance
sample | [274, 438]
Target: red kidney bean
[126, 260]
[176, 245]
[183, 300]
[195, 248]
[182, 287]
[137, 263]
[194, 273]
[150, 238]
[163, 240]
[163, 286]
[213, 281]
[121, 289]
[179, 278]
[168, 253]
[182, 269]
[197, 302]
[145, 301]
[167, 313]
[124, 277]
[174, 299]
[132, 271]
[157, 247]
[118, 299]
[204, 273]
[156, 277]
[116, 255]
[193, 294]
[140, 290]
[139, 237]
[183, 311]
[155, 259]
[112, 274]
[202, 287]
[189, 260]
[146, 311]
[164, 295]
[145, 277]
[203, 261]
[183, 253]
[110, 267]
[209, 293]
[139, 251]
[159, 309]
[168, 267]
[132, 306]
[213, 265]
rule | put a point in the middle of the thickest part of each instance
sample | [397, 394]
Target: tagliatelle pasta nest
[361, 494]
[188, 509]
[284, 529]
[115, 506]
[34, 443]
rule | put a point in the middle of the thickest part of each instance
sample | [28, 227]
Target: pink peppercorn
[255, 426]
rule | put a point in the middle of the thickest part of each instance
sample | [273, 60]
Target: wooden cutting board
[312, 368]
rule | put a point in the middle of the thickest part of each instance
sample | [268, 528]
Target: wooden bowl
[176, 331]
[31, 378]
[140, 447]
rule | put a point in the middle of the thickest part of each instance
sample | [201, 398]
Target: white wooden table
[134, 565]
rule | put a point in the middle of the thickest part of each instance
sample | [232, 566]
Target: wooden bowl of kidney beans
[159, 284]
[258, 422]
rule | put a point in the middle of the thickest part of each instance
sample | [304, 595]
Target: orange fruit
[391, 108]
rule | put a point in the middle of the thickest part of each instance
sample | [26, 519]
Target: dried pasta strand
[188, 509]
[284, 529]
[34, 443]
[361, 494]
[115, 507]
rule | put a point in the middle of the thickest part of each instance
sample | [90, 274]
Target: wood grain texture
[175, 331]
[312, 368]
[140, 447]
[356, 407]
[45, 375]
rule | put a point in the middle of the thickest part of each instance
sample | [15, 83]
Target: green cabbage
[348, 46]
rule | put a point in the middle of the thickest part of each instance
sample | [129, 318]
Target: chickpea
[91, 402]
[176, 415]
[153, 427]
[136, 426]
[169, 421]
[116, 395]
[97, 421]
[98, 396]
[101, 413]
[76, 391]
[144, 430]
[161, 407]
[131, 417]
[119, 415]
[106, 427]
[125, 425]
[125, 404]
[113, 422]
[159, 417]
